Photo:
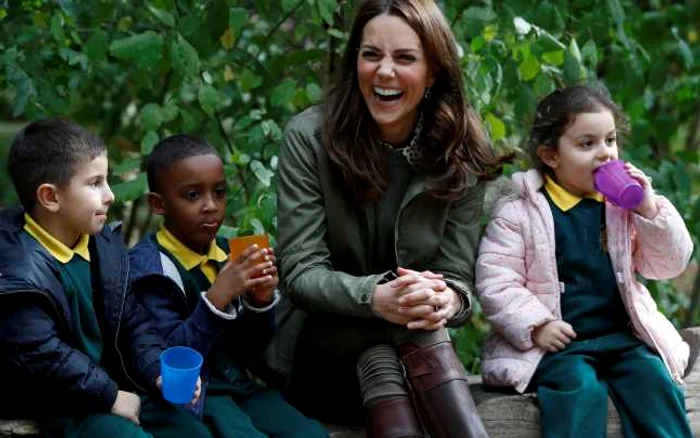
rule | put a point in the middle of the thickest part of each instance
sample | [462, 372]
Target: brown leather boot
[439, 385]
[393, 418]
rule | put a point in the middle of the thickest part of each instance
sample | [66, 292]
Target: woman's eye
[370, 55]
[407, 58]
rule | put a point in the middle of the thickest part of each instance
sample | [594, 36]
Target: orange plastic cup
[239, 244]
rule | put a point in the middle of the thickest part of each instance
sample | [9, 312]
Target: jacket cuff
[206, 320]
[465, 295]
[229, 313]
[107, 397]
[248, 305]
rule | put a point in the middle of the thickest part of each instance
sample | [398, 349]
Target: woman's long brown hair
[454, 143]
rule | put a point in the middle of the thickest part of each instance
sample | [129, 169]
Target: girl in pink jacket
[557, 277]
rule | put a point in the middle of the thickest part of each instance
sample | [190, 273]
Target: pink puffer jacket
[518, 286]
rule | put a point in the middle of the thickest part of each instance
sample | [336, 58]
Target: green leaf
[237, 19]
[263, 174]
[145, 49]
[148, 142]
[57, 29]
[314, 92]
[151, 116]
[127, 166]
[184, 57]
[686, 54]
[73, 57]
[272, 130]
[616, 11]
[169, 112]
[249, 81]
[284, 92]
[496, 127]
[130, 190]
[227, 232]
[326, 8]
[208, 97]
[529, 67]
[554, 58]
[163, 16]
[589, 54]
[24, 88]
[572, 69]
[96, 46]
[287, 5]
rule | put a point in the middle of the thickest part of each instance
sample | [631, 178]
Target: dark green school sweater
[590, 300]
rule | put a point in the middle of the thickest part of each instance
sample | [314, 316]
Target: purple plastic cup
[612, 180]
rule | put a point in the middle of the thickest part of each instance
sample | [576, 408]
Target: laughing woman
[379, 201]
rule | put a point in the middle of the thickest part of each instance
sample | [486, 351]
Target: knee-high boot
[387, 403]
[439, 385]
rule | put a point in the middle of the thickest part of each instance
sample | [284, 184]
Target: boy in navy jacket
[74, 345]
[201, 298]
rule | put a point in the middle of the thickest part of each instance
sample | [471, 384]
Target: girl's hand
[647, 207]
[553, 335]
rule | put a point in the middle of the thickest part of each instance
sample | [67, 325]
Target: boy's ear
[47, 197]
[155, 202]
[549, 156]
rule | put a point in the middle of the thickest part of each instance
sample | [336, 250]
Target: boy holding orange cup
[214, 296]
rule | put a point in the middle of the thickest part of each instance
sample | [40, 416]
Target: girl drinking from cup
[556, 276]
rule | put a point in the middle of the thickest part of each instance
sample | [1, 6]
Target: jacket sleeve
[501, 274]
[456, 253]
[30, 342]
[200, 330]
[145, 343]
[663, 245]
[306, 273]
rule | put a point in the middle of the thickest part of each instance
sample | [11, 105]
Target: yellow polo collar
[562, 198]
[188, 258]
[55, 247]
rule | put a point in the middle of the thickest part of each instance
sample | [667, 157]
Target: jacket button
[364, 298]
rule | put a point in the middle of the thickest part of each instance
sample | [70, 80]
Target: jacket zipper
[116, 336]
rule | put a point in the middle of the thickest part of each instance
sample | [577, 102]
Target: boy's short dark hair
[49, 151]
[170, 150]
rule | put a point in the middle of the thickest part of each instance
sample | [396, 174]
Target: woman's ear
[155, 202]
[47, 197]
[549, 156]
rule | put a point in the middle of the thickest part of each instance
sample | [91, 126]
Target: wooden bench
[505, 415]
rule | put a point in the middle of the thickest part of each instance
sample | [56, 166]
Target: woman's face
[393, 74]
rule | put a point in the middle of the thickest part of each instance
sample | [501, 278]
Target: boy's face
[84, 202]
[193, 200]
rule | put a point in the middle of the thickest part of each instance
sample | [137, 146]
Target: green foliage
[234, 71]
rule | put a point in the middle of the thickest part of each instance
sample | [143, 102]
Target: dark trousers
[263, 414]
[159, 419]
[324, 382]
[573, 386]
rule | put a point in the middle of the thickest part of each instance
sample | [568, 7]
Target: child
[74, 346]
[556, 276]
[200, 298]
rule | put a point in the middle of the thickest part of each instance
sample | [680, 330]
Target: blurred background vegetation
[234, 71]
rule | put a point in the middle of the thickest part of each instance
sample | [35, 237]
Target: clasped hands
[417, 300]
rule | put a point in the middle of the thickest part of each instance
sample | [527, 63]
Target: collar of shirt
[188, 258]
[55, 247]
[562, 198]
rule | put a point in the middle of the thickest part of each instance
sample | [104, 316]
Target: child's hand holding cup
[260, 294]
[179, 367]
[625, 186]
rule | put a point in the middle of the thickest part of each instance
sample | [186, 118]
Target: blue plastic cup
[180, 369]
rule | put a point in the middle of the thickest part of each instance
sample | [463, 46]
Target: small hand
[239, 275]
[647, 207]
[197, 389]
[553, 335]
[262, 294]
[127, 405]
